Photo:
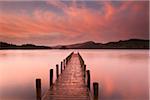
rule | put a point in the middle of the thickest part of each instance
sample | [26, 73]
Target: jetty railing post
[69, 57]
[95, 90]
[57, 71]
[51, 77]
[64, 64]
[88, 79]
[61, 66]
[66, 61]
[84, 70]
[38, 89]
[81, 60]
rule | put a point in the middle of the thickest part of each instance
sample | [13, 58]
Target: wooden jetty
[72, 83]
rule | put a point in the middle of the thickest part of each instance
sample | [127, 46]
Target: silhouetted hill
[85, 45]
[126, 44]
[129, 44]
[4, 45]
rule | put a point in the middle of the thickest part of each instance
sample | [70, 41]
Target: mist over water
[121, 74]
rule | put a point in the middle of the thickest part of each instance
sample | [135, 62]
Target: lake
[121, 74]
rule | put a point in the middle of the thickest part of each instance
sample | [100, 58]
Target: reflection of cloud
[128, 20]
[132, 56]
[109, 86]
[21, 92]
[24, 93]
[112, 89]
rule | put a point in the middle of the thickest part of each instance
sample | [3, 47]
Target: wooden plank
[70, 85]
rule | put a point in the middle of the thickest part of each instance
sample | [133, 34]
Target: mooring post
[84, 71]
[64, 64]
[61, 66]
[88, 79]
[38, 89]
[66, 61]
[82, 63]
[51, 77]
[57, 71]
[95, 90]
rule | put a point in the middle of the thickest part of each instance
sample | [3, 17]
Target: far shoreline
[78, 49]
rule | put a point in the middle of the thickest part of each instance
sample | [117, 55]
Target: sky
[65, 22]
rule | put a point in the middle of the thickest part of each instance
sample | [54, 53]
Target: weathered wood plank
[70, 85]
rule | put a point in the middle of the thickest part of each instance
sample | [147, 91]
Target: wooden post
[84, 71]
[88, 79]
[64, 64]
[61, 66]
[95, 90]
[38, 89]
[82, 63]
[57, 71]
[51, 77]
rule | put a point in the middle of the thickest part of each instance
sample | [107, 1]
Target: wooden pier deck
[71, 84]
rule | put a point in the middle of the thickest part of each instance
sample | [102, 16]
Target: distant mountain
[85, 45]
[129, 44]
[4, 45]
[126, 44]
[122, 44]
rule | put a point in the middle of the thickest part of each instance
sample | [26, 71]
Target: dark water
[121, 74]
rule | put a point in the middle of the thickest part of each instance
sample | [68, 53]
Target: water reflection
[122, 74]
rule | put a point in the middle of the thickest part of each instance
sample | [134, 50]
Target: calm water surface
[122, 74]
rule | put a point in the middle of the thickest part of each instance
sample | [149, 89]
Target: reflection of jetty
[72, 84]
